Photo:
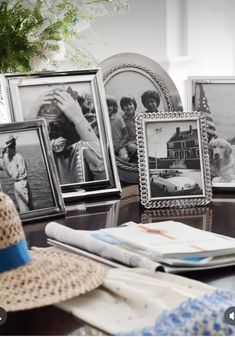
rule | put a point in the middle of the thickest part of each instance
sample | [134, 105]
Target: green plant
[30, 29]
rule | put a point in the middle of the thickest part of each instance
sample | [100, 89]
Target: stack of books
[166, 246]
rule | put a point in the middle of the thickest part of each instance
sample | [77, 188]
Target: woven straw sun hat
[41, 276]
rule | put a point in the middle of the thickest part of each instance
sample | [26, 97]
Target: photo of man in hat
[14, 165]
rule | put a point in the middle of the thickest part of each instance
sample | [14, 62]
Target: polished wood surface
[43, 321]
[218, 217]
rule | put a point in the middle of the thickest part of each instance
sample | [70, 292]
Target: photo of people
[134, 84]
[128, 105]
[128, 100]
[23, 171]
[122, 122]
[141, 78]
[69, 111]
[119, 129]
[151, 100]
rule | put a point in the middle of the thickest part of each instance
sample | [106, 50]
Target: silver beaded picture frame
[173, 159]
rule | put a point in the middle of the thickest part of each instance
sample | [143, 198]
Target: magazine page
[171, 239]
[85, 240]
[104, 248]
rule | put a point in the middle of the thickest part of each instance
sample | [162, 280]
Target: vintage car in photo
[172, 184]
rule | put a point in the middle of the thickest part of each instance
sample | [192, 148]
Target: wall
[186, 37]
[142, 29]
[211, 36]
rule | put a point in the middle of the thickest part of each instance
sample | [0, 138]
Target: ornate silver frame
[157, 77]
[177, 198]
[92, 78]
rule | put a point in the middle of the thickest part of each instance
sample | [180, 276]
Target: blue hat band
[14, 256]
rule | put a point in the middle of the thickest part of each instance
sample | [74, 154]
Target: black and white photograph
[134, 84]
[26, 173]
[74, 111]
[172, 152]
[122, 112]
[174, 158]
[215, 97]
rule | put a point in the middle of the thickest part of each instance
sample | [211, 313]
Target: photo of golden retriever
[221, 160]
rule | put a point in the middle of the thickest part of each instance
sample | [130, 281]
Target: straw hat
[41, 276]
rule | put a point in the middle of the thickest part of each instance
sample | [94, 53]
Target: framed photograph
[27, 170]
[134, 84]
[173, 159]
[73, 105]
[215, 98]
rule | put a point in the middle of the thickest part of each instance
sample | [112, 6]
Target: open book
[169, 245]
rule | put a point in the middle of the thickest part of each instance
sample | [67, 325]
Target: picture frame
[214, 97]
[81, 139]
[27, 170]
[173, 159]
[131, 75]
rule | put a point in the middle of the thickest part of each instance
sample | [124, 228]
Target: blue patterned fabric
[202, 316]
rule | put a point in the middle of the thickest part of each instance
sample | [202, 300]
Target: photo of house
[183, 148]
[174, 158]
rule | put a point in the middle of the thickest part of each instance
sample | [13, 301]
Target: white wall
[187, 37]
[211, 36]
[142, 29]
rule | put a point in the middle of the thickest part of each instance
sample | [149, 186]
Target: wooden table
[219, 217]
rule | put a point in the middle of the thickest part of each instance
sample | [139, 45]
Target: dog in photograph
[221, 160]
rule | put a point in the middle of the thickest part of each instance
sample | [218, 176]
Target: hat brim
[10, 143]
[52, 276]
